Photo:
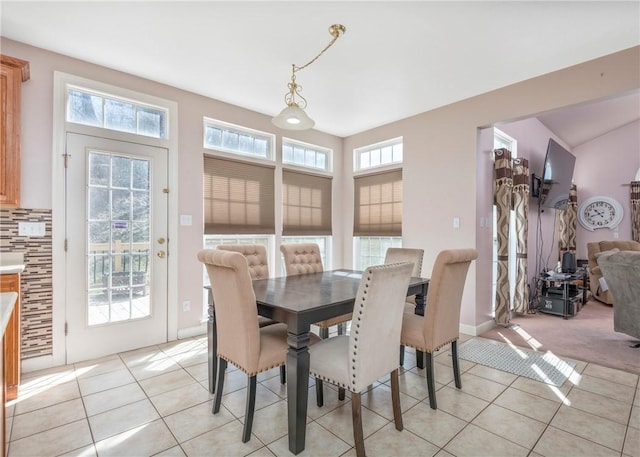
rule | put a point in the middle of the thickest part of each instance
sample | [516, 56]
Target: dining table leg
[212, 345]
[420, 307]
[297, 389]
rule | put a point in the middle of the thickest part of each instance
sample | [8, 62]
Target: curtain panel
[238, 197]
[568, 224]
[378, 204]
[503, 189]
[521, 209]
[635, 210]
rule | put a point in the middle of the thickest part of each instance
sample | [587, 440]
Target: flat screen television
[555, 183]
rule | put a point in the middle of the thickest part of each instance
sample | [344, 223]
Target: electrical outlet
[456, 222]
[186, 305]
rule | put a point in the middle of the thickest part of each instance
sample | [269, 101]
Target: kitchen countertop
[11, 269]
[7, 302]
[11, 263]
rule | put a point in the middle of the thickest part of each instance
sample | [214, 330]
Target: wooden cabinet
[11, 283]
[12, 73]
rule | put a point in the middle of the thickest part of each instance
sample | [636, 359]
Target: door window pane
[118, 240]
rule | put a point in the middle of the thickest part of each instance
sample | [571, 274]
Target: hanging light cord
[336, 30]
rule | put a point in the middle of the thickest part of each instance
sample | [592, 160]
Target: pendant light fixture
[293, 117]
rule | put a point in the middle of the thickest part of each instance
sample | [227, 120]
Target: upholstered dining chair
[395, 255]
[303, 258]
[370, 351]
[441, 321]
[241, 341]
[256, 255]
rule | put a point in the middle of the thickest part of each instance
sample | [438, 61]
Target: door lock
[161, 240]
[162, 254]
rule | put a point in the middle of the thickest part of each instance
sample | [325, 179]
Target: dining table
[299, 301]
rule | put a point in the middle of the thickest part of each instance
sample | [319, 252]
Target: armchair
[595, 250]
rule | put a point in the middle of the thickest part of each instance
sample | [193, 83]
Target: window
[378, 204]
[306, 155]
[238, 140]
[306, 204]
[377, 216]
[106, 111]
[371, 250]
[378, 155]
[238, 198]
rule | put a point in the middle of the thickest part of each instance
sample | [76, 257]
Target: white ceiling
[396, 59]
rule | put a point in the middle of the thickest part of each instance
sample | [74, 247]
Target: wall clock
[600, 212]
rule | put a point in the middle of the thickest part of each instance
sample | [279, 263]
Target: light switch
[186, 219]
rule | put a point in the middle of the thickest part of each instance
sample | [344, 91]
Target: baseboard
[190, 332]
[478, 329]
[36, 363]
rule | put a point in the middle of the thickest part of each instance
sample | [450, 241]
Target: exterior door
[116, 246]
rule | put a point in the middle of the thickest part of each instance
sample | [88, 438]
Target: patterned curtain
[503, 184]
[635, 210]
[567, 224]
[521, 209]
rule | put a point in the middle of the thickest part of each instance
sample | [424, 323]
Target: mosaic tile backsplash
[36, 281]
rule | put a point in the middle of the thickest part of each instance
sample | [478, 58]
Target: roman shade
[306, 204]
[238, 197]
[378, 204]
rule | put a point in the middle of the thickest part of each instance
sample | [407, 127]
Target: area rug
[543, 367]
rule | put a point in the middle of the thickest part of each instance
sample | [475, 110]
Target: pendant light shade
[293, 118]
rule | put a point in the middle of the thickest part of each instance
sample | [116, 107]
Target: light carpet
[543, 367]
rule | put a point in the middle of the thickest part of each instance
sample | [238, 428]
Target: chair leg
[222, 367]
[356, 414]
[401, 356]
[319, 393]
[456, 365]
[431, 383]
[283, 374]
[324, 333]
[250, 407]
[341, 393]
[395, 400]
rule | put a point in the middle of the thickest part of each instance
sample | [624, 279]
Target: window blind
[238, 197]
[378, 204]
[306, 204]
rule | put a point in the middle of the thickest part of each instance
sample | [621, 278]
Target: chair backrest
[395, 255]
[377, 323]
[301, 258]
[256, 255]
[235, 307]
[444, 296]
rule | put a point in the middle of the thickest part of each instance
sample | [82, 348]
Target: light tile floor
[154, 401]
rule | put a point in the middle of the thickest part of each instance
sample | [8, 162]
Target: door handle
[161, 254]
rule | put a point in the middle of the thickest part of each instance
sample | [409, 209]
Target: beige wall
[440, 168]
[440, 180]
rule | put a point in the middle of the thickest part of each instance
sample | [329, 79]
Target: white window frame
[358, 260]
[308, 147]
[240, 130]
[136, 101]
[360, 153]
